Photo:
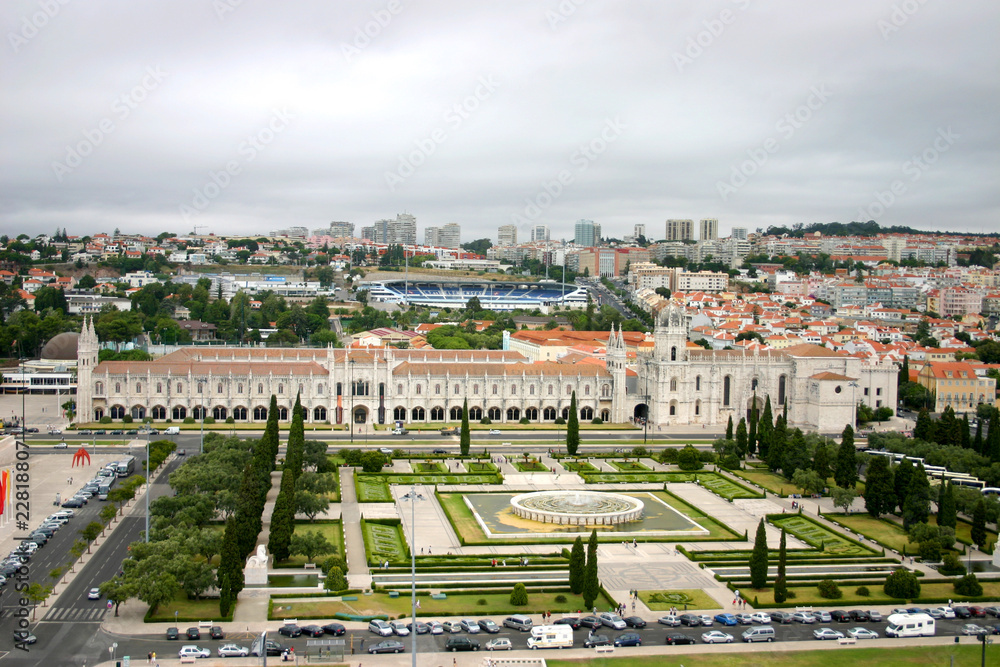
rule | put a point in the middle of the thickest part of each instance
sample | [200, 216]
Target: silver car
[469, 625]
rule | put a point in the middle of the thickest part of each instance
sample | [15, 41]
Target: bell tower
[670, 337]
[615, 359]
[86, 360]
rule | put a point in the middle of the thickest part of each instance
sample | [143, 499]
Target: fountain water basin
[577, 508]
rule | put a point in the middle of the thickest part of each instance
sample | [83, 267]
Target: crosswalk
[63, 614]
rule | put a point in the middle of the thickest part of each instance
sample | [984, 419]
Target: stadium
[493, 295]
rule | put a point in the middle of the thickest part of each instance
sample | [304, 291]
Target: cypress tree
[966, 432]
[977, 442]
[295, 451]
[758, 558]
[879, 495]
[776, 450]
[591, 583]
[752, 429]
[765, 426]
[796, 455]
[465, 437]
[979, 524]
[572, 428]
[780, 586]
[577, 566]
[917, 506]
[230, 572]
[729, 428]
[947, 512]
[741, 438]
[282, 525]
[924, 429]
[904, 372]
[902, 475]
[993, 439]
[846, 474]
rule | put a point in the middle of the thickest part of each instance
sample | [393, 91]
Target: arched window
[180, 388]
[319, 413]
[399, 390]
[456, 390]
[118, 387]
[281, 388]
[697, 408]
[781, 390]
[697, 383]
[201, 388]
[513, 414]
[531, 390]
[282, 414]
[495, 414]
[418, 390]
[475, 389]
[513, 389]
[565, 413]
[138, 412]
[586, 390]
[138, 387]
[260, 388]
[319, 391]
[673, 384]
[437, 391]
[531, 413]
[437, 414]
[673, 409]
[551, 390]
[475, 414]
[605, 390]
[260, 413]
[726, 386]
[219, 413]
[179, 412]
[159, 412]
[753, 384]
[239, 388]
[399, 414]
[117, 411]
[549, 414]
[569, 389]
[99, 388]
[455, 413]
[587, 413]
[673, 354]
[198, 412]
[159, 387]
[240, 414]
[496, 389]
[417, 414]
[98, 414]
[605, 416]
[218, 389]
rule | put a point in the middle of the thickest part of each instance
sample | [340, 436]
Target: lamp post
[148, 487]
[413, 497]
[350, 417]
[854, 404]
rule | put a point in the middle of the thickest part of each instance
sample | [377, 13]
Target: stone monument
[255, 573]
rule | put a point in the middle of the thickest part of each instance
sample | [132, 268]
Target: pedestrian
[633, 606]
[149, 657]
[418, 604]
[428, 551]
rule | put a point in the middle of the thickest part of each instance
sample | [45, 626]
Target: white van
[764, 633]
[910, 625]
[172, 430]
[551, 636]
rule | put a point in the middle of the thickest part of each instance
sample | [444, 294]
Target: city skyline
[231, 117]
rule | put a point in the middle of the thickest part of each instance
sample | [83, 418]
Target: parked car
[962, 612]
[840, 616]
[716, 637]
[590, 622]
[436, 627]
[24, 637]
[499, 644]
[628, 639]
[803, 617]
[671, 621]
[60, 445]
[875, 616]
[974, 629]
[744, 619]
[193, 633]
[192, 651]
[461, 644]
[676, 639]
[439, 451]
[634, 622]
[422, 628]
[233, 651]
[860, 615]
[781, 617]
[313, 631]
[862, 633]
[335, 629]
[399, 628]
[827, 633]
[760, 617]
[379, 627]
[706, 619]
[486, 625]
[452, 626]
[977, 612]
[73, 502]
[690, 620]
[571, 621]
[612, 620]
[469, 625]
[822, 616]
[387, 646]
[993, 611]
[726, 619]
[494, 431]
[173, 633]
[596, 640]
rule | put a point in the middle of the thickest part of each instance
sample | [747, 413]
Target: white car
[233, 651]
[61, 445]
[946, 612]
[827, 633]
[716, 637]
[399, 628]
[705, 619]
[760, 617]
[192, 651]
[862, 633]
[436, 627]
[494, 431]
[94, 594]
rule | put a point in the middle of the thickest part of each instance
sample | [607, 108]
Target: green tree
[880, 496]
[729, 428]
[902, 585]
[373, 461]
[752, 428]
[777, 446]
[808, 481]
[979, 524]
[465, 437]
[765, 427]
[282, 526]
[821, 463]
[230, 572]
[947, 512]
[741, 438]
[572, 428]
[591, 583]
[37, 594]
[335, 580]
[842, 497]
[968, 586]
[518, 596]
[577, 565]
[310, 504]
[311, 545]
[758, 558]
[90, 532]
[846, 473]
[917, 506]
[780, 585]
[902, 475]
[117, 590]
[688, 459]
[924, 429]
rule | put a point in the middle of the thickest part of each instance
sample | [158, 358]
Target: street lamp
[854, 404]
[350, 417]
[413, 497]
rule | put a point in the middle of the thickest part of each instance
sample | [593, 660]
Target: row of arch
[219, 413]
[476, 413]
[201, 386]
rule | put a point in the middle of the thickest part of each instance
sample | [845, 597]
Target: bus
[126, 467]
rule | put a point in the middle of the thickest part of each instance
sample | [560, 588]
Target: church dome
[62, 347]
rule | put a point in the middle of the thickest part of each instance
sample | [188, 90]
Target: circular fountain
[577, 508]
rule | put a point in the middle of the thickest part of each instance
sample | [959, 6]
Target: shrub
[481, 602]
[485, 420]
[189, 420]
[560, 598]
[687, 459]
[335, 580]
[862, 591]
[332, 562]
[524, 420]
[668, 456]
[596, 420]
[209, 420]
[230, 420]
[930, 551]
[640, 452]
[790, 594]
[560, 421]
[951, 566]
[519, 596]
[902, 584]
[105, 420]
[127, 419]
[968, 585]
[730, 462]
[830, 590]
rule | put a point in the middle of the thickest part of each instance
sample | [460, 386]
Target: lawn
[456, 604]
[480, 467]
[189, 611]
[773, 482]
[384, 543]
[713, 481]
[578, 466]
[372, 489]
[819, 536]
[329, 529]
[883, 531]
[428, 467]
[724, 487]
[629, 466]
[529, 466]
[455, 478]
[963, 531]
[694, 598]
[965, 655]
[806, 595]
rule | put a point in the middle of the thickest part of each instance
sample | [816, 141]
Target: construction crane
[196, 228]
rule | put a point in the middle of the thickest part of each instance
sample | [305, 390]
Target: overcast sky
[243, 116]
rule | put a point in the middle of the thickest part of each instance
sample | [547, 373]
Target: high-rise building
[540, 233]
[401, 230]
[680, 230]
[507, 235]
[338, 229]
[448, 236]
[709, 228]
[739, 233]
[587, 233]
[639, 230]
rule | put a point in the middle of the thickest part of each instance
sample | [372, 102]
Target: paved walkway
[358, 574]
